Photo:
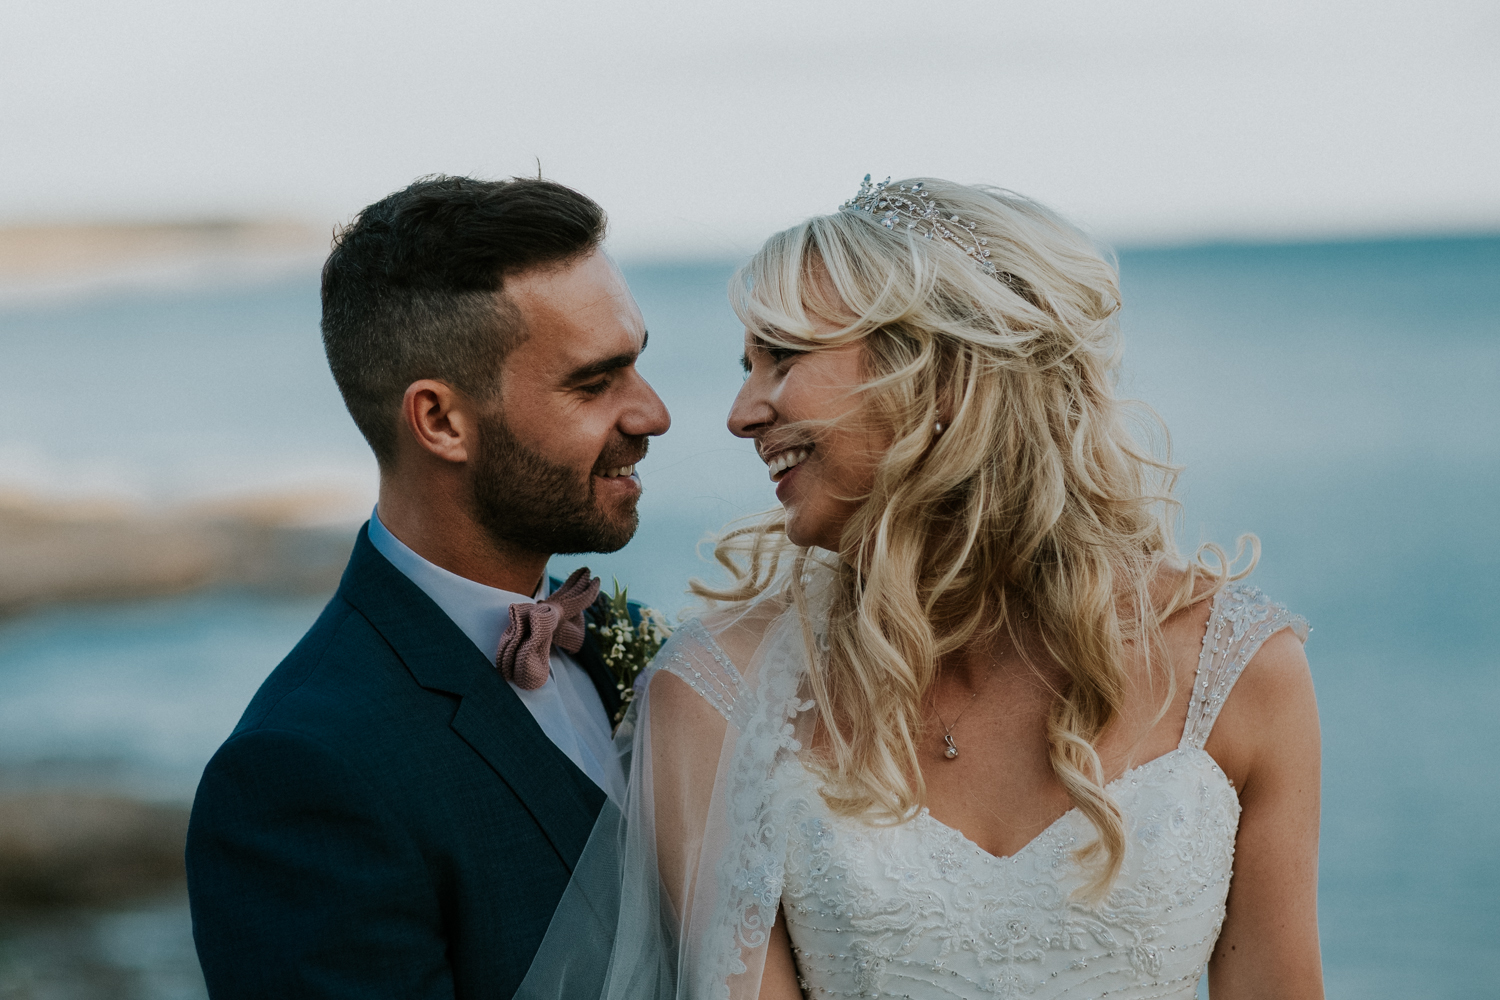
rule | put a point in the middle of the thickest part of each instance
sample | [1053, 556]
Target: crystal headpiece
[913, 208]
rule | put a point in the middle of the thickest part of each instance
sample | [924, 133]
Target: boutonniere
[627, 644]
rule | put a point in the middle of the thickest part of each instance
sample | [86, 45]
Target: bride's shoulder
[1251, 649]
[1233, 619]
[1260, 641]
[705, 662]
[693, 673]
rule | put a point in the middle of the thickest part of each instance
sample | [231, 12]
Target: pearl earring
[937, 428]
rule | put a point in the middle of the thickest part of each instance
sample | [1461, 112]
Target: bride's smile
[781, 465]
[802, 407]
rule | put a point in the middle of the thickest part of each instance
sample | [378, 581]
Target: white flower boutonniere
[627, 645]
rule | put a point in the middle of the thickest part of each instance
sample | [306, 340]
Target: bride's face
[822, 469]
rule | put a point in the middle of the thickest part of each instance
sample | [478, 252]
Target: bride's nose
[752, 410]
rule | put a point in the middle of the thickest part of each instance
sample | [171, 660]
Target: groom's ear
[439, 419]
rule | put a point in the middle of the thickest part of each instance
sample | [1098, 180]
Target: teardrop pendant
[952, 750]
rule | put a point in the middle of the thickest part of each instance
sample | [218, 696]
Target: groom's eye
[594, 388]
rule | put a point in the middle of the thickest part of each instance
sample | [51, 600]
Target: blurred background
[1304, 198]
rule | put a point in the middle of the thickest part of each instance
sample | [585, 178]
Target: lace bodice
[917, 910]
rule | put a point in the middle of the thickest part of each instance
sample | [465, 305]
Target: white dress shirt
[567, 706]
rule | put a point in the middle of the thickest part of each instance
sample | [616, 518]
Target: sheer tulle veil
[676, 893]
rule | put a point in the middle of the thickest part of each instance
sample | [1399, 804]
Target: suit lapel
[490, 718]
[560, 796]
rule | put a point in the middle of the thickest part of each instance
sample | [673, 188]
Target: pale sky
[704, 126]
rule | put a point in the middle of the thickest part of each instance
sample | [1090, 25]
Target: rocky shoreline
[52, 552]
[41, 263]
[76, 844]
[68, 849]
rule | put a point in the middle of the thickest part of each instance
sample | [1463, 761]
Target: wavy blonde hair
[1038, 500]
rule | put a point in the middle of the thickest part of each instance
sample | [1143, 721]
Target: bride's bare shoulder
[1269, 722]
[1270, 710]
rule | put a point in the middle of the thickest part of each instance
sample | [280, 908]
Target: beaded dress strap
[693, 656]
[1242, 620]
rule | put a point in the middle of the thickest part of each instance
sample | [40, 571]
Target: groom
[399, 809]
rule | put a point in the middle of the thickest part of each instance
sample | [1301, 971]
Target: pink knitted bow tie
[526, 646]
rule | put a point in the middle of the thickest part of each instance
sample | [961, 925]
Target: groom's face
[555, 470]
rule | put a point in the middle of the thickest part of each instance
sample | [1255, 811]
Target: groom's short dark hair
[410, 289]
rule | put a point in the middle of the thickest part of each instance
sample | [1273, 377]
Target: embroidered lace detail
[1242, 620]
[751, 872]
[919, 910]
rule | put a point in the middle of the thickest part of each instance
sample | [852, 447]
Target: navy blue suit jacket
[387, 819]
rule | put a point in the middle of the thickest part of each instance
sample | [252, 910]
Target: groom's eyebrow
[606, 365]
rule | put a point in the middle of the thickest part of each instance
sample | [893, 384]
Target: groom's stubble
[524, 500]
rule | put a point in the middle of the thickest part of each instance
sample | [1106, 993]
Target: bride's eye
[778, 354]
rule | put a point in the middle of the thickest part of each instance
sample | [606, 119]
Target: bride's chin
[799, 532]
[794, 528]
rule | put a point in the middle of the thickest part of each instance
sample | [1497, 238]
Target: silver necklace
[950, 749]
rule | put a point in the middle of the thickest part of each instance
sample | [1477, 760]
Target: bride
[964, 724]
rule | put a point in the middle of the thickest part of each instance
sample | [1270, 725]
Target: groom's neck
[436, 524]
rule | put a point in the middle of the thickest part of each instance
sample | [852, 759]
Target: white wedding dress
[721, 799]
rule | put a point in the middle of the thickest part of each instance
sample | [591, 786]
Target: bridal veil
[677, 890]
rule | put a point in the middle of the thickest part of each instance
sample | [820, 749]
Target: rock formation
[58, 552]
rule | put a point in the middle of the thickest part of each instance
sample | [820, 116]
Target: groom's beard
[523, 500]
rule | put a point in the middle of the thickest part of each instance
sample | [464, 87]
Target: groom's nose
[645, 414]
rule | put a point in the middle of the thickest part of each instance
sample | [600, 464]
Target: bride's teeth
[784, 461]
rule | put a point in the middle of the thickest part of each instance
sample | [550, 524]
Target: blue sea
[1340, 400]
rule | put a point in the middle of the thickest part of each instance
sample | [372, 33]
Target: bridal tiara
[913, 208]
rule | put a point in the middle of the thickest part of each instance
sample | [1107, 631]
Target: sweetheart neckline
[1129, 772]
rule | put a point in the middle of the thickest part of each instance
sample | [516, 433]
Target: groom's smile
[572, 400]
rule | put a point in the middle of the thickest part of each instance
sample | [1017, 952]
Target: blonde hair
[1036, 501]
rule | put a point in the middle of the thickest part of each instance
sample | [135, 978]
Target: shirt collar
[481, 612]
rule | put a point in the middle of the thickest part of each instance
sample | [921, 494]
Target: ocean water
[1342, 401]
